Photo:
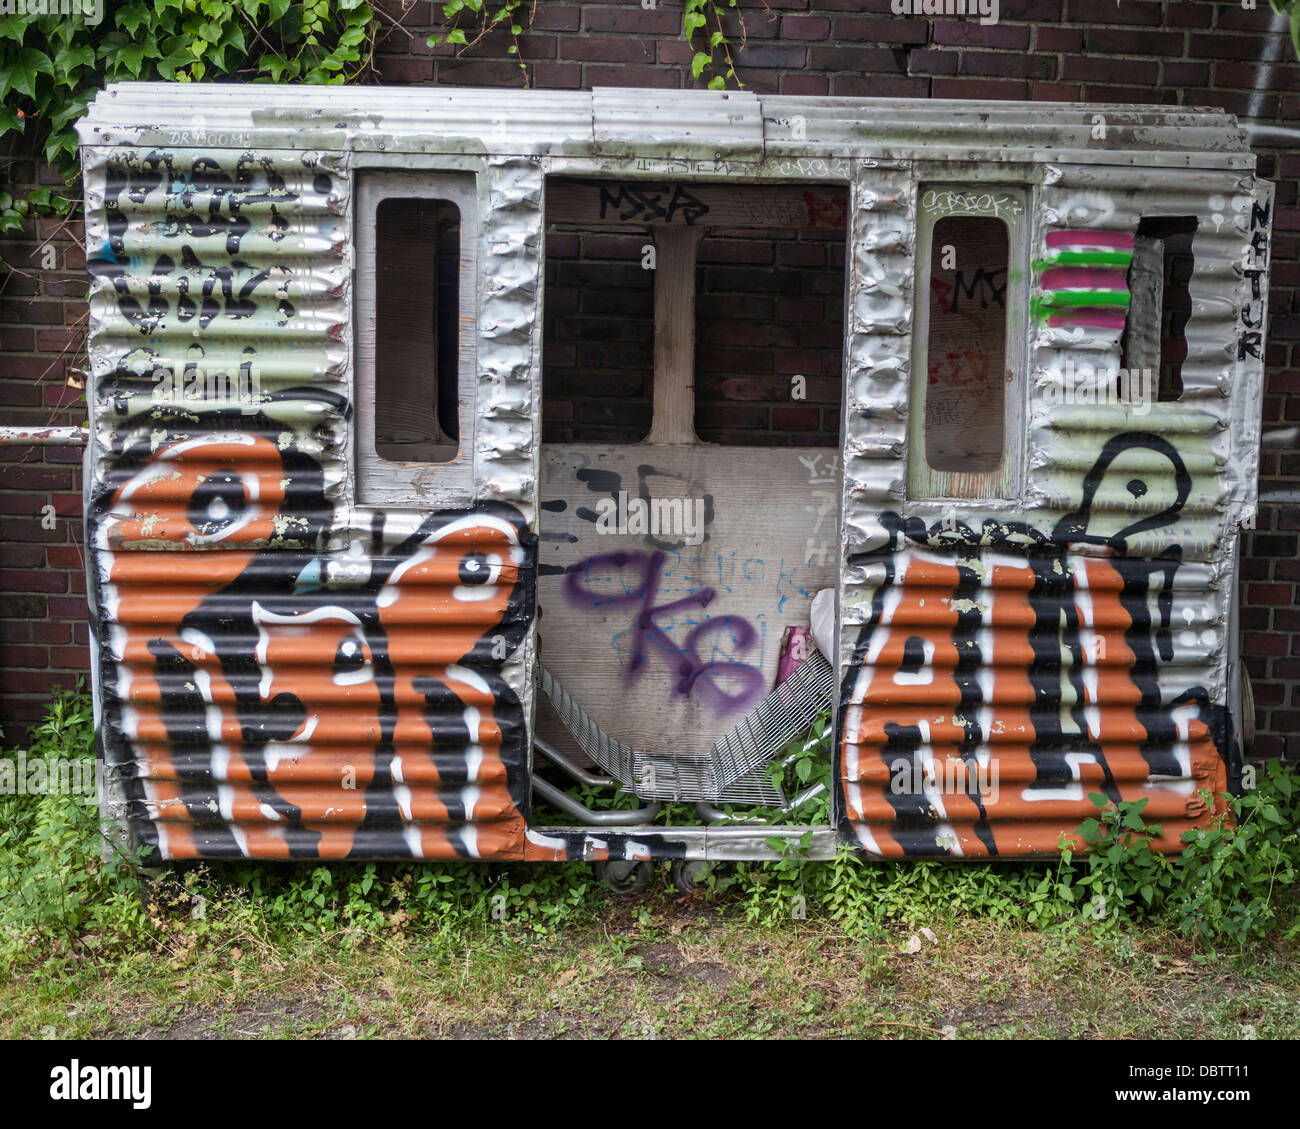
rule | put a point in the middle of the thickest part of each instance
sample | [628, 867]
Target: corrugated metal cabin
[349, 602]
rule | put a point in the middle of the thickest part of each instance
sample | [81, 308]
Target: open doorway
[692, 383]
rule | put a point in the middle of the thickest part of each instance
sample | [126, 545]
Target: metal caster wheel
[625, 875]
[689, 875]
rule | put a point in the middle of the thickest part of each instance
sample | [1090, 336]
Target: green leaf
[698, 63]
[133, 55]
[13, 27]
[18, 73]
[133, 17]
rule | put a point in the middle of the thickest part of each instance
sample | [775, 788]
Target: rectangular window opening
[598, 330]
[769, 322]
[966, 349]
[417, 301]
[1160, 302]
[969, 341]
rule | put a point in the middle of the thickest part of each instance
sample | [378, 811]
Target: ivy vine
[485, 17]
[52, 65]
[696, 18]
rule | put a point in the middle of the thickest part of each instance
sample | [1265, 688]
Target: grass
[661, 966]
[1199, 946]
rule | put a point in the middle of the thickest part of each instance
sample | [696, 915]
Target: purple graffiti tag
[690, 672]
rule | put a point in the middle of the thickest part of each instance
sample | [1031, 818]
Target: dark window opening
[598, 332]
[417, 324]
[769, 332]
[966, 343]
[1160, 302]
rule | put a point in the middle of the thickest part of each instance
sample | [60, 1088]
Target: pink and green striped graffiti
[1084, 280]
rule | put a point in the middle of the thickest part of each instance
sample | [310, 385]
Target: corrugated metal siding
[684, 124]
[282, 672]
[1000, 666]
[281, 675]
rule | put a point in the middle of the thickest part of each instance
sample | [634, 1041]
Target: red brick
[14, 631]
[606, 49]
[600, 75]
[24, 656]
[557, 17]
[1255, 643]
[1129, 12]
[932, 62]
[1185, 74]
[34, 580]
[632, 18]
[795, 419]
[867, 30]
[556, 76]
[70, 658]
[978, 89]
[1055, 92]
[805, 27]
[969, 33]
[1126, 41]
[1089, 68]
[805, 84]
[68, 607]
[1216, 45]
[1275, 594]
[1007, 64]
[51, 632]
[1068, 39]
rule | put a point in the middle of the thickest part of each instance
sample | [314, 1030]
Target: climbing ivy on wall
[485, 17]
[52, 65]
[469, 21]
[716, 55]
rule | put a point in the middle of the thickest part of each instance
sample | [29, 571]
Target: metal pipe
[562, 762]
[717, 815]
[1278, 32]
[566, 803]
[44, 436]
[1258, 134]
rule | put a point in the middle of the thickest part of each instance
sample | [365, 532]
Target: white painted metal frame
[1005, 483]
[380, 481]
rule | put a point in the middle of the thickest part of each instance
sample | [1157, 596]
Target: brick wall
[769, 308]
[1180, 52]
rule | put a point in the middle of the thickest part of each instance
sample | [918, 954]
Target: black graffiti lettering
[652, 203]
[984, 285]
